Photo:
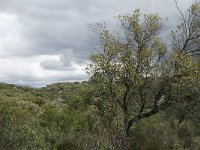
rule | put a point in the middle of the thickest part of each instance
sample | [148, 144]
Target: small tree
[136, 76]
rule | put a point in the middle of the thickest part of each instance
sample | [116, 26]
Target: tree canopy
[137, 76]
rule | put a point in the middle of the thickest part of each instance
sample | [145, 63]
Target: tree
[187, 35]
[136, 75]
[186, 39]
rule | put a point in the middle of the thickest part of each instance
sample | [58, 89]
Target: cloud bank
[43, 42]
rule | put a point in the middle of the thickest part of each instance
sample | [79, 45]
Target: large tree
[135, 75]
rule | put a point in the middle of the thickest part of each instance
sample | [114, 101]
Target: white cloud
[28, 71]
[12, 41]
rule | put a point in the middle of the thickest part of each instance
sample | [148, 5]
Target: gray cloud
[51, 64]
[60, 28]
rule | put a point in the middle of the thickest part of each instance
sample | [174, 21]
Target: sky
[49, 41]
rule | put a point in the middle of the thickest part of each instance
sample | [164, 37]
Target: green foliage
[76, 123]
[67, 145]
[136, 75]
[34, 119]
[141, 95]
[18, 126]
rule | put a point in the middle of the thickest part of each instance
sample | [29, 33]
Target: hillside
[28, 114]
[61, 117]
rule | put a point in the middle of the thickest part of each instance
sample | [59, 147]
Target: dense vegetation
[61, 116]
[141, 95]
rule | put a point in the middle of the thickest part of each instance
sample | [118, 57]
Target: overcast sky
[48, 41]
